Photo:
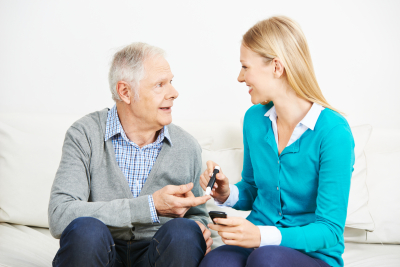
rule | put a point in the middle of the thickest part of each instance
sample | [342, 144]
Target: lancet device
[212, 180]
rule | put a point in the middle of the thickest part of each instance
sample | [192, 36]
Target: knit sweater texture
[89, 182]
[304, 191]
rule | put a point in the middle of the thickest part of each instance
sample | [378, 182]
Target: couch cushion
[371, 255]
[30, 152]
[358, 214]
[384, 196]
[25, 246]
[383, 181]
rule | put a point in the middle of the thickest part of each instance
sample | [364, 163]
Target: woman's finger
[229, 242]
[203, 182]
[220, 176]
[227, 235]
[221, 228]
[210, 166]
[231, 221]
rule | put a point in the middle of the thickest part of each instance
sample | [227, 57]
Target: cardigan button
[280, 214]
[277, 188]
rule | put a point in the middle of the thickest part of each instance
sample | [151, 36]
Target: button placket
[277, 188]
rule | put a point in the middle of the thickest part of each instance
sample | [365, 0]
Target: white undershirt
[270, 235]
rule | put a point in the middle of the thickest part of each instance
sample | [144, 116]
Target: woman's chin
[256, 101]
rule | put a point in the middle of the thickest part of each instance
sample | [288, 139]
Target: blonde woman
[298, 160]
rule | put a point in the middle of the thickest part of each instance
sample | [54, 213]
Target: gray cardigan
[89, 182]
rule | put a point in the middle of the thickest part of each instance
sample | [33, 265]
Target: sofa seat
[369, 255]
[26, 246]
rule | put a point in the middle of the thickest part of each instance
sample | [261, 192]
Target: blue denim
[88, 242]
[266, 256]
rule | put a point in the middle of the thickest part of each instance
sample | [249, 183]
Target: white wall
[54, 55]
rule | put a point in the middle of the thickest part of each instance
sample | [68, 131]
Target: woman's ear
[124, 91]
[279, 68]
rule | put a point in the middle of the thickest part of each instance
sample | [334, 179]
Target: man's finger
[209, 242]
[189, 194]
[181, 189]
[207, 234]
[202, 227]
[194, 201]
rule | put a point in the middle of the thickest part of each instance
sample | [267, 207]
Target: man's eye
[159, 84]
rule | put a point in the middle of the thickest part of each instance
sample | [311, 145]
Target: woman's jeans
[88, 242]
[266, 256]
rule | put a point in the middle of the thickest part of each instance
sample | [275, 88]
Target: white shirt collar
[309, 120]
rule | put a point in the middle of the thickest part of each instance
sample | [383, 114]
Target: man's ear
[279, 68]
[124, 91]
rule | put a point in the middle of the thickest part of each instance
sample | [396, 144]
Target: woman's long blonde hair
[283, 38]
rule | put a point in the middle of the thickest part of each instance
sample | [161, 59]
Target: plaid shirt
[134, 162]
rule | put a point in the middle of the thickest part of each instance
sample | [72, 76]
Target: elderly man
[126, 172]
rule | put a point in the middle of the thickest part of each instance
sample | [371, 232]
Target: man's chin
[166, 121]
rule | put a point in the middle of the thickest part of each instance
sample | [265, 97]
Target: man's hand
[174, 201]
[237, 231]
[207, 236]
[221, 190]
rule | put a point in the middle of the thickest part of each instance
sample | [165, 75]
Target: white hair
[128, 66]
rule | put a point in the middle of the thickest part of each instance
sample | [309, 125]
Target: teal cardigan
[303, 191]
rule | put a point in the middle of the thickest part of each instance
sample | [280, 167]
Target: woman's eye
[159, 85]
[244, 67]
[170, 82]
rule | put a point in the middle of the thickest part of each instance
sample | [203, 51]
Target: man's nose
[173, 93]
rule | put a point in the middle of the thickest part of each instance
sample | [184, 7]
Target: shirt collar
[309, 120]
[114, 127]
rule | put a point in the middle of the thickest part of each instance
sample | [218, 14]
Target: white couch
[30, 150]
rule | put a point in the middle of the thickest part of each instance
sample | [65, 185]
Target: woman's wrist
[225, 197]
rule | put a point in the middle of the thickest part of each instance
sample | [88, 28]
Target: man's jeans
[88, 242]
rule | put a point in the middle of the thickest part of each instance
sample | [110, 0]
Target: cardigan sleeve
[335, 170]
[69, 197]
[247, 187]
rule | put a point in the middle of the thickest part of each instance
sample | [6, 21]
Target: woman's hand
[221, 190]
[237, 231]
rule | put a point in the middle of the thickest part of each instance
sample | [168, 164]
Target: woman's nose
[240, 78]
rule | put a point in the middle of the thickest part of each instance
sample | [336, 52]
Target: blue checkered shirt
[134, 162]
